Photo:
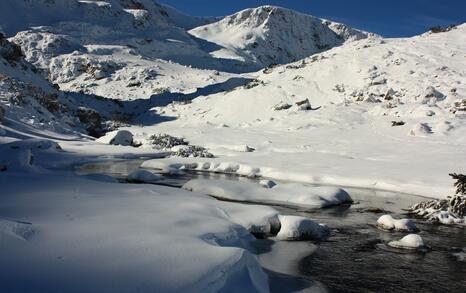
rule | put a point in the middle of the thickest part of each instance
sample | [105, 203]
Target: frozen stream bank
[356, 256]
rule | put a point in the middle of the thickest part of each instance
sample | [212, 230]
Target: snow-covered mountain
[273, 35]
[29, 102]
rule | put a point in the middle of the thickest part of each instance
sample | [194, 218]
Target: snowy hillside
[142, 149]
[273, 35]
[368, 102]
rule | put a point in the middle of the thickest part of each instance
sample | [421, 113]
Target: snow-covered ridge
[269, 35]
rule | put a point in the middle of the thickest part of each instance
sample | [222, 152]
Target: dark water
[355, 258]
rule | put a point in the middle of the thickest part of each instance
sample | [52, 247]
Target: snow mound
[291, 194]
[421, 129]
[267, 183]
[411, 241]
[301, 228]
[387, 222]
[20, 230]
[117, 137]
[20, 155]
[141, 175]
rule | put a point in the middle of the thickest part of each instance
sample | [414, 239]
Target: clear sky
[390, 18]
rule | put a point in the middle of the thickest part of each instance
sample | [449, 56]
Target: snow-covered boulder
[421, 129]
[117, 137]
[387, 222]
[267, 183]
[142, 175]
[411, 241]
[301, 228]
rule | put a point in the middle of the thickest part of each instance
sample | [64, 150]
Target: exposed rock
[91, 118]
[304, 105]
[420, 129]
[267, 183]
[10, 51]
[2, 114]
[398, 123]
[282, 106]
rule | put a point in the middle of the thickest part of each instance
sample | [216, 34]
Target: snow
[269, 35]
[292, 194]
[387, 222]
[411, 241]
[124, 236]
[117, 137]
[300, 228]
[135, 69]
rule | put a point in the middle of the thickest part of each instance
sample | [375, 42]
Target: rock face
[10, 51]
[91, 118]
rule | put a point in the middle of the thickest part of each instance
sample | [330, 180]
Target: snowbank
[142, 238]
[387, 222]
[294, 194]
[21, 154]
[411, 241]
[301, 228]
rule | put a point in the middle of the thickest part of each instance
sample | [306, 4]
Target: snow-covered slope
[30, 103]
[421, 77]
[269, 35]
[396, 103]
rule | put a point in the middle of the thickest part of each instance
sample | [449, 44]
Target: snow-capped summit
[268, 35]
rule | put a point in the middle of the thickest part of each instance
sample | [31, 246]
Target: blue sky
[390, 18]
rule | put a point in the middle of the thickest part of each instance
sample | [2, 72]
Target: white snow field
[90, 81]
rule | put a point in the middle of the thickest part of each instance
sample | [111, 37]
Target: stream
[355, 258]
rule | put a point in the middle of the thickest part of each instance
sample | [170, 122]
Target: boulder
[301, 228]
